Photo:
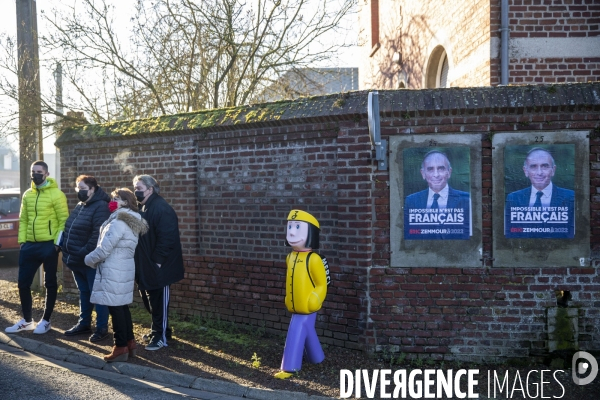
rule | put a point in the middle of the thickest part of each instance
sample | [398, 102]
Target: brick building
[429, 44]
[232, 175]
[305, 82]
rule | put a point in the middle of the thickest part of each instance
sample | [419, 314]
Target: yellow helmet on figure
[299, 215]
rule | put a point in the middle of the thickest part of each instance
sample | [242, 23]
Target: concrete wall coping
[350, 106]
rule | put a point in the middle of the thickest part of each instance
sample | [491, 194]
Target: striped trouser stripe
[165, 319]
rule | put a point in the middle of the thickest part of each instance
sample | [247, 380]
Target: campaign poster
[437, 188]
[539, 188]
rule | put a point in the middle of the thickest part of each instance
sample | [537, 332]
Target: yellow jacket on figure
[306, 286]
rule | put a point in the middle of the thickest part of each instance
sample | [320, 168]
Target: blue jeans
[85, 283]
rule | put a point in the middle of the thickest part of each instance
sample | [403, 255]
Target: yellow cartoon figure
[305, 290]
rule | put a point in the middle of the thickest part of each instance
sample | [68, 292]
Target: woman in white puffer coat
[115, 269]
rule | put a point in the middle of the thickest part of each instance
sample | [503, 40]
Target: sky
[8, 24]
[125, 8]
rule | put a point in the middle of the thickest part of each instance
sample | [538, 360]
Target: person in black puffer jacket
[79, 239]
[158, 257]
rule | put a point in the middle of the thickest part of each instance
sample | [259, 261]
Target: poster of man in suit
[539, 183]
[438, 204]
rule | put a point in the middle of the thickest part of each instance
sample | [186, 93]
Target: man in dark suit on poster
[439, 207]
[528, 212]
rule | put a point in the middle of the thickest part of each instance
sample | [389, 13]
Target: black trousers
[122, 325]
[159, 303]
[32, 255]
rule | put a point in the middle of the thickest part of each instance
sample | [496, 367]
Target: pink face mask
[112, 206]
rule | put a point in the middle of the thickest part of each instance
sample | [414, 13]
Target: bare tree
[180, 56]
[9, 93]
[186, 55]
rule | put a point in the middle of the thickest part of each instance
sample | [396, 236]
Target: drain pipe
[504, 42]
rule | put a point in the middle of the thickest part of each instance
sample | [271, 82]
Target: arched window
[403, 80]
[437, 69]
[443, 82]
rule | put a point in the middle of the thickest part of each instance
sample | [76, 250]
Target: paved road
[27, 376]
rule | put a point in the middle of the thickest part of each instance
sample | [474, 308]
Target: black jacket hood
[99, 195]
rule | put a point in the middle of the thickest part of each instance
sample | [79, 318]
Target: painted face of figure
[539, 168]
[436, 171]
[297, 233]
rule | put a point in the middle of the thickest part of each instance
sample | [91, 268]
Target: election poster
[437, 188]
[539, 189]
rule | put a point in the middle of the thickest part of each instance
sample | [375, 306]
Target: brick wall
[552, 18]
[485, 313]
[550, 41]
[549, 19]
[246, 184]
[115, 163]
[233, 184]
[554, 70]
[478, 76]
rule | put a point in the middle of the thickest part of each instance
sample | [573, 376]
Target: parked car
[10, 205]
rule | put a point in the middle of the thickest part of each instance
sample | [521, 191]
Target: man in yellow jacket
[305, 290]
[44, 212]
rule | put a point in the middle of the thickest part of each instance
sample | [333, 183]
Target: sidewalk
[202, 347]
[172, 382]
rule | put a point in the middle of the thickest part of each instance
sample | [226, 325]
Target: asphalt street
[27, 376]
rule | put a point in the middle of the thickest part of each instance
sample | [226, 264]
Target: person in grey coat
[115, 269]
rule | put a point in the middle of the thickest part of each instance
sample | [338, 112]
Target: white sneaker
[42, 327]
[20, 326]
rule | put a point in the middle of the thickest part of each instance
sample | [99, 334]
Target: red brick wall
[233, 187]
[246, 185]
[552, 18]
[486, 313]
[115, 163]
[549, 19]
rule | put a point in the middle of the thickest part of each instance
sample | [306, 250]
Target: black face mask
[38, 179]
[83, 195]
[139, 195]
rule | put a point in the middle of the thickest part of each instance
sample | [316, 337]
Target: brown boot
[118, 354]
[132, 348]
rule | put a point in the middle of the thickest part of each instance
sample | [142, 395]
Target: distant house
[9, 168]
[311, 82]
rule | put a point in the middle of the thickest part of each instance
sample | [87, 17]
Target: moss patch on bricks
[199, 120]
[405, 104]
[564, 333]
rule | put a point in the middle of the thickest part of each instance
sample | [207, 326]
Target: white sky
[8, 21]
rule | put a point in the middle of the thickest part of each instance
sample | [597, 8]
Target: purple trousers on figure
[301, 338]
